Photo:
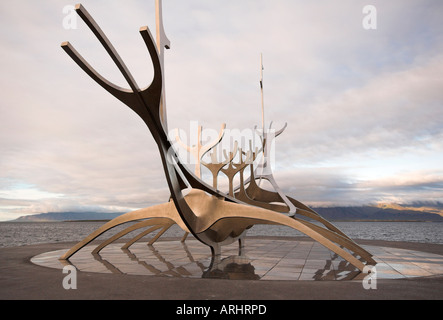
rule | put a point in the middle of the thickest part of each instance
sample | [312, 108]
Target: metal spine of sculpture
[212, 217]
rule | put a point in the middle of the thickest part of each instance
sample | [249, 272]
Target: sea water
[26, 233]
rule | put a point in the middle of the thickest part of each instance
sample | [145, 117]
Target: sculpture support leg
[139, 236]
[165, 228]
[184, 237]
[156, 222]
[165, 210]
[241, 246]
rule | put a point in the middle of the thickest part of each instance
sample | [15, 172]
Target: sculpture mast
[262, 97]
[264, 169]
[162, 43]
[262, 114]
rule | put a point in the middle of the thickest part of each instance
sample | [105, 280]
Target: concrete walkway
[22, 280]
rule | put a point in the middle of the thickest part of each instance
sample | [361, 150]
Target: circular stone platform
[261, 259]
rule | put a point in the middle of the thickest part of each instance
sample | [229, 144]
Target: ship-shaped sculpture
[213, 217]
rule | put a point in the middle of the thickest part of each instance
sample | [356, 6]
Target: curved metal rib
[140, 235]
[214, 166]
[124, 95]
[156, 222]
[198, 150]
[87, 18]
[278, 132]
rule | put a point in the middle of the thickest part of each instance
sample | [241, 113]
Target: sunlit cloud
[29, 194]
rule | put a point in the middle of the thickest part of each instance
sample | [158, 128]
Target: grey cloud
[393, 111]
[335, 186]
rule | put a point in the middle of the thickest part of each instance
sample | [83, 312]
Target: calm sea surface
[25, 233]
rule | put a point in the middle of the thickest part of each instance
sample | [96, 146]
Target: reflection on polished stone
[263, 259]
[233, 267]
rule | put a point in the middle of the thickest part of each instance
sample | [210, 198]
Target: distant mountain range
[382, 212]
[68, 216]
[431, 207]
[377, 213]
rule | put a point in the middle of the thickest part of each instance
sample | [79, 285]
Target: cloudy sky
[364, 107]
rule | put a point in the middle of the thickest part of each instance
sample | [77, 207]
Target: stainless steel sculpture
[212, 217]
